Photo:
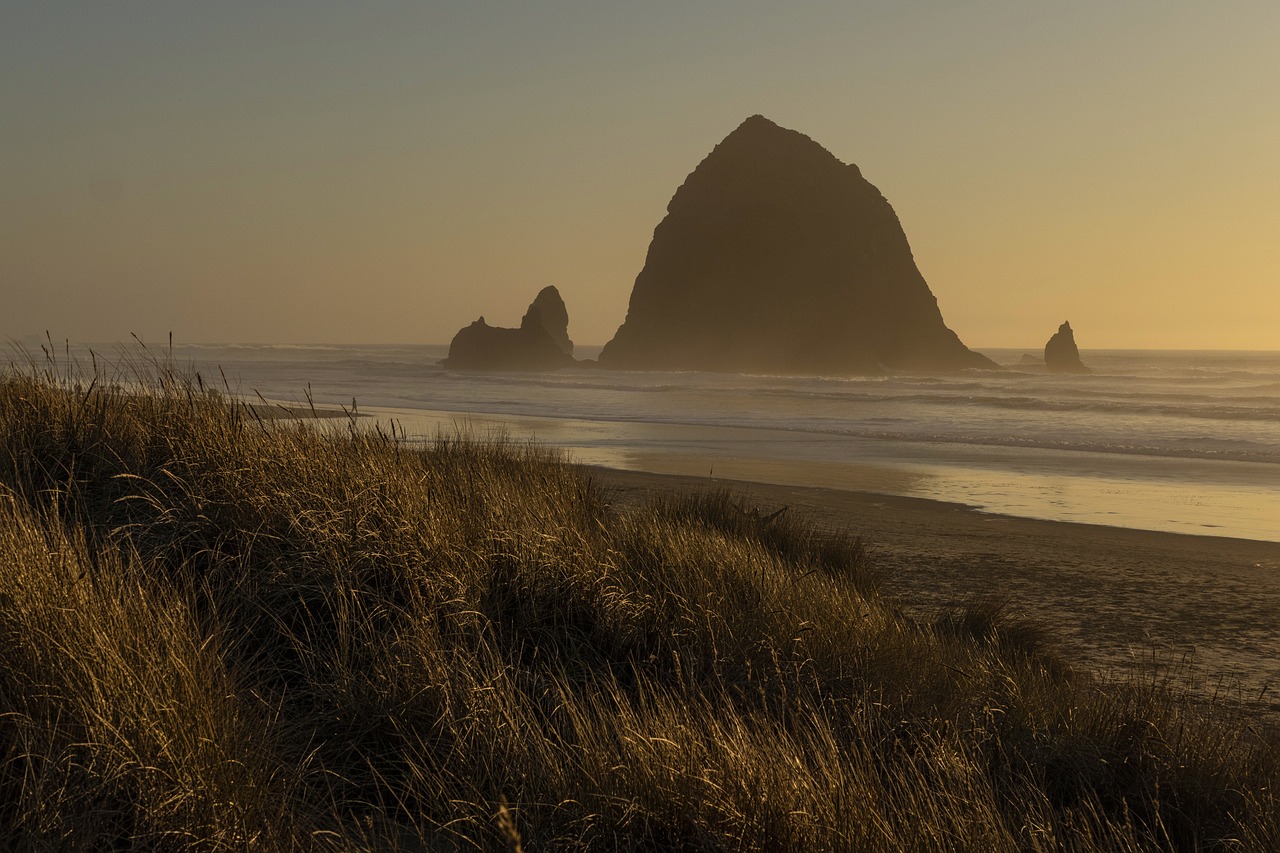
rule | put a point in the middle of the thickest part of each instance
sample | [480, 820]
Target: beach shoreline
[1219, 498]
[1111, 597]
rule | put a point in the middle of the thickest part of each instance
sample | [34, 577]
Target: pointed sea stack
[775, 257]
[541, 343]
[548, 310]
[1061, 354]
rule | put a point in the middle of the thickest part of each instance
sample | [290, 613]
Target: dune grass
[223, 632]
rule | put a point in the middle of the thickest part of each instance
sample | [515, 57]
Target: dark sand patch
[1112, 597]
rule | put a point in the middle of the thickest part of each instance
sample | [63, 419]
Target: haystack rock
[1061, 354]
[541, 343]
[776, 257]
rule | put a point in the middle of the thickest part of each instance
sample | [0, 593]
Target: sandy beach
[1112, 597]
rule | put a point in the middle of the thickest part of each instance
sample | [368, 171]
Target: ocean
[1179, 441]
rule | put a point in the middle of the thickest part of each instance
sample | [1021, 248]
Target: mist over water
[1164, 440]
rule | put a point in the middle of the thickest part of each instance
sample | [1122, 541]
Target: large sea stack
[776, 257]
[1061, 354]
[541, 343]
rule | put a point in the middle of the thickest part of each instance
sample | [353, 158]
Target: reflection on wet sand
[1195, 496]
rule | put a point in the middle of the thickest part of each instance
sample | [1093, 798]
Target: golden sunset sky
[387, 172]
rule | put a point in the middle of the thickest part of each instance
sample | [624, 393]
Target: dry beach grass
[221, 632]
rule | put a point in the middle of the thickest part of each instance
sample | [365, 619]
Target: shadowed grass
[225, 632]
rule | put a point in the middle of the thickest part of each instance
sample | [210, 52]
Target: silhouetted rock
[548, 309]
[776, 257]
[1029, 359]
[541, 342]
[1061, 354]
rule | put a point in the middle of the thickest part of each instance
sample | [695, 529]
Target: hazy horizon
[35, 341]
[233, 173]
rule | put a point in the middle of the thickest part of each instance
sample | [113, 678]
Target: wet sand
[1111, 597]
[283, 411]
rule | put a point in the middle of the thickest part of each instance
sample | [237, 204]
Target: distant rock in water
[548, 309]
[776, 257]
[1029, 359]
[1061, 354]
[541, 343]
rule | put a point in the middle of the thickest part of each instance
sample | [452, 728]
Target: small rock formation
[1029, 359]
[776, 257]
[541, 343]
[1061, 354]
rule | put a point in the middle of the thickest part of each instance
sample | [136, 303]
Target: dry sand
[1112, 597]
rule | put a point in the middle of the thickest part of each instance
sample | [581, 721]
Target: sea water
[1161, 440]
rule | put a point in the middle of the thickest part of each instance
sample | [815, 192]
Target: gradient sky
[387, 172]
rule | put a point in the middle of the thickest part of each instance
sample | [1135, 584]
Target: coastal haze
[236, 173]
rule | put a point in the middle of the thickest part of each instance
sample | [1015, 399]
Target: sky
[386, 172]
